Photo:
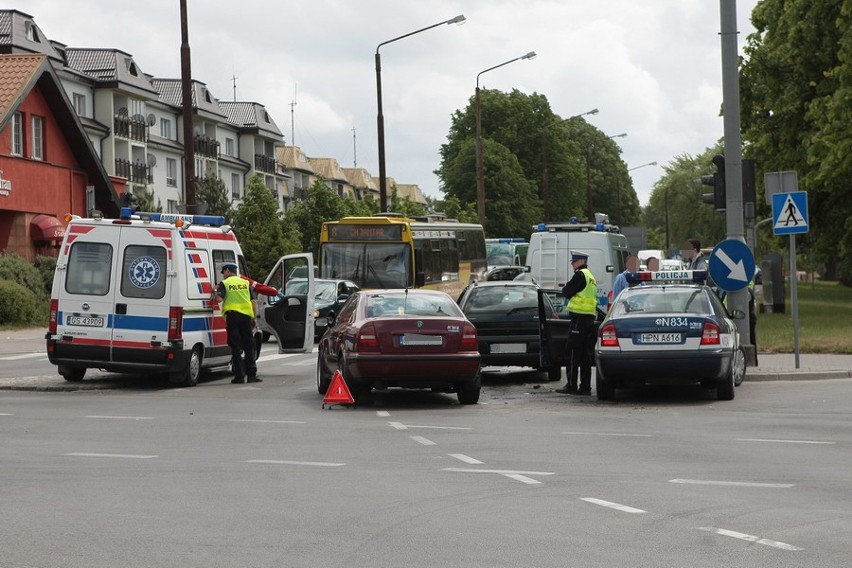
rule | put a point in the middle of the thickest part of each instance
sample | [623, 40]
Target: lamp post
[544, 179]
[589, 212]
[383, 181]
[480, 168]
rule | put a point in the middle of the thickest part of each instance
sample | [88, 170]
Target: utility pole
[188, 132]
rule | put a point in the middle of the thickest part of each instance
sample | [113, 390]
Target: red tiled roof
[16, 73]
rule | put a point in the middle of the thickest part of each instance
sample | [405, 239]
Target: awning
[46, 228]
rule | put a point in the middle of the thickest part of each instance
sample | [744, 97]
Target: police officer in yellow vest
[238, 311]
[581, 292]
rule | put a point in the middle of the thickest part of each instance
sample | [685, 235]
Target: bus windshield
[369, 265]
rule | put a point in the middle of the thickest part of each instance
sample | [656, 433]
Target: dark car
[506, 317]
[668, 332]
[329, 297]
[401, 338]
[504, 273]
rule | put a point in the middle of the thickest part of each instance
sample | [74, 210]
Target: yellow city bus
[388, 251]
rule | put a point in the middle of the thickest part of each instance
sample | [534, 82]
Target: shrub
[19, 306]
[46, 266]
[16, 269]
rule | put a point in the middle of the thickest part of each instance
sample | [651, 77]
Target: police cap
[577, 255]
[230, 266]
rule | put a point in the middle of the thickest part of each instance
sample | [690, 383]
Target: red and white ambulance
[134, 295]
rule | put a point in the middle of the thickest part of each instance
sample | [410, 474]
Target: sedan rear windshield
[501, 299]
[663, 301]
[379, 305]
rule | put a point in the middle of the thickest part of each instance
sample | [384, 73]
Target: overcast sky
[652, 67]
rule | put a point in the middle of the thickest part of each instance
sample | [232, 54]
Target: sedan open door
[553, 332]
[290, 316]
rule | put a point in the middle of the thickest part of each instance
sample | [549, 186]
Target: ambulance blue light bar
[668, 277]
[212, 220]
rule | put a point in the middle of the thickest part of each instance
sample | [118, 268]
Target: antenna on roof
[354, 149]
[293, 119]
[234, 79]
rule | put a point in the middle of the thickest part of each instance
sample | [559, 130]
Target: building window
[80, 104]
[38, 138]
[172, 206]
[235, 186]
[18, 134]
[171, 172]
[166, 128]
[229, 147]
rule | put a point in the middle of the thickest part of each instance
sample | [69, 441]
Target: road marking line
[611, 505]
[22, 356]
[127, 456]
[522, 478]
[439, 427]
[286, 462]
[782, 441]
[247, 387]
[732, 483]
[466, 459]
[422, 440]
[266, 421]
[383, 413]
[398, 425]
[611, 434]
[500, 471]
[5, 414]
[123, 417]
[751, 538]
[275, 357]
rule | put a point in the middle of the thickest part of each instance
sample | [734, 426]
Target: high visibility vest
[237, 296]
[586, 300]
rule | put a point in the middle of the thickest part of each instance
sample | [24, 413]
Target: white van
[550, 246]
[134, 295]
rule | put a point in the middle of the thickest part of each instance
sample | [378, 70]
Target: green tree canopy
[258, 228]
[321, 204]
[212, 192]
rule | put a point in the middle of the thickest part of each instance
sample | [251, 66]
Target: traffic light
[717, 182]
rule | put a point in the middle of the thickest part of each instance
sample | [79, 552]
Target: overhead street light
[480, 169]
[544, 177]
[383, 182]
[642, 166]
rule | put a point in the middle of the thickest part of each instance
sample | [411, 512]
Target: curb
[798, 376]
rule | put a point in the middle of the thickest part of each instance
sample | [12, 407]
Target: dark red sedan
[401, 338]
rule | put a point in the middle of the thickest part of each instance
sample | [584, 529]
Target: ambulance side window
[89, 268]
[143, 273]
[220, 257]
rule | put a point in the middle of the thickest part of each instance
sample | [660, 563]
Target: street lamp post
[383, 182]
[589, 211]
[480, 168]
[544, 177]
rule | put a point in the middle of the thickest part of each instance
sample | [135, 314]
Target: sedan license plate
[508, 347]
[417, 339]
[85, 321]
[659, 338]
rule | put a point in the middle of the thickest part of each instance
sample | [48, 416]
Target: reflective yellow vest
[237, 296]
[586, 300]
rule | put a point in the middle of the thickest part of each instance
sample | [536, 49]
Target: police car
[669, 328]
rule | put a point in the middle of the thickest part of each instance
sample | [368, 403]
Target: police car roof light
[668, 277]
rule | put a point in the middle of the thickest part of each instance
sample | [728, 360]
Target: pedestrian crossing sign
[790, 213]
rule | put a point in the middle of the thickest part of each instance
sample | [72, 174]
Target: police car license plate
[509, 348]
[659, 338]
[85, 321]
[410, 339]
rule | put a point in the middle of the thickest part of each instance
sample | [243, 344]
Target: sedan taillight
[608, 336]
[367, 338]
[469, 340]
[710, 335]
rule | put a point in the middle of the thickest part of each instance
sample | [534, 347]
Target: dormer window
[32, 34]
[131, 67]
[266, 116]
[207, 96]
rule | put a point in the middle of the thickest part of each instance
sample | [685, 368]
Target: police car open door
[290, 315]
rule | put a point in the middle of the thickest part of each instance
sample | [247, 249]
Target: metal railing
[265, 164]
[136, 172]
[131, 128]
[206, 146]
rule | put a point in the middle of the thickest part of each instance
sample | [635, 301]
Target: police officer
[238, 311]
[581, 292]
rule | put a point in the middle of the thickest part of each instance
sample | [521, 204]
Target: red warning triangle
[338, 392]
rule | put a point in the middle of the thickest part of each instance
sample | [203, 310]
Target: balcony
[207, 147]
[130, 128]
[135, 172]
[265, 164]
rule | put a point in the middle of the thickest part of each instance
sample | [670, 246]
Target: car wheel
[554, 373]
[738, 367]
[468, 393]
[72, 374]
[189, 376]
[605, 389]
[323, 378]
[725, 387]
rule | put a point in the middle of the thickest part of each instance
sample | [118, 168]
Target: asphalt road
[261, 475]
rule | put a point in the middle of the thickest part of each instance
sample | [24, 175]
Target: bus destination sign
[365, 232]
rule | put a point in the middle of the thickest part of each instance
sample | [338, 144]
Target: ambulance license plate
[85, 321]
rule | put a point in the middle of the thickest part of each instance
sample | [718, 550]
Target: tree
[258, 228]
[321, 204]
[212, 191]
[796, 94]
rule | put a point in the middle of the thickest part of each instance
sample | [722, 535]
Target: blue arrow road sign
[790, 213]
[731, 265]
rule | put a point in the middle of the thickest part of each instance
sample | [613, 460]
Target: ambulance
[136, 295]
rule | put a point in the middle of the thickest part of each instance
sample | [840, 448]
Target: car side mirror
[342, 297]
[737, 314]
